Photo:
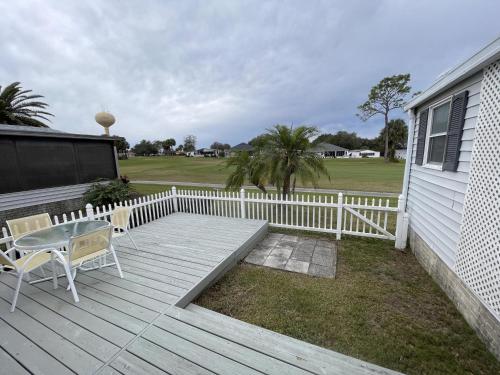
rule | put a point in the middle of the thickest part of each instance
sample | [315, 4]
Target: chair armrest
[30, 257]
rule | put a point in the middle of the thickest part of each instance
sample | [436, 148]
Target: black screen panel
[96, 160]
[9, 179]
[29, 163]
[46, 164]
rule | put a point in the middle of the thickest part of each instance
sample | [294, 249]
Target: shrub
[102, 193]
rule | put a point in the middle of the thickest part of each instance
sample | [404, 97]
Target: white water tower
[105, 119]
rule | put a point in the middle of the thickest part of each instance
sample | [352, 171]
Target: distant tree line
[167, 146]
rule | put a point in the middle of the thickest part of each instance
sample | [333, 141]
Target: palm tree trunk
[286, 185]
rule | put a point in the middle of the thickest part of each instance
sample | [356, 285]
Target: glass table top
[57, 234]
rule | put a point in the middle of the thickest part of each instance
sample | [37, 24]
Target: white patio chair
[28, 224]
[30, 262]
[88, 247]
[120, 219]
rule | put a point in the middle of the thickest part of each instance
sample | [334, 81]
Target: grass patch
[346, 174]
[382, 308]
[146, 189]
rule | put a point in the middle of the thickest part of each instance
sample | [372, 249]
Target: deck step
[298, 353]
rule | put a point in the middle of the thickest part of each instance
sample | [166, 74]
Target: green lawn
[147, 189]
[382, 307]
[346, 174]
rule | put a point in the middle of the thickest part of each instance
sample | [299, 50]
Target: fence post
[340, 203]
[174, 195]
[9, 244]
[404, 230]
[242, 203]
[401, 225]
[90, 211]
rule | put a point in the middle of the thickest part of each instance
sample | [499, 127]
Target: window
[438, 128]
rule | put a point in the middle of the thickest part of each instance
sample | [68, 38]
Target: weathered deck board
[9, 365]
[289, 350]
[63, 350]
[88, 341]
[73, 312]
[37, 362]
[143, 350]
[127, 363]
[138, 298]
[137, 325]
[220, 345]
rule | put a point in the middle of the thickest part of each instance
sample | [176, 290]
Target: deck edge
[224, 266]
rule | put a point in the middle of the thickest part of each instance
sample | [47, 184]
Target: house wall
[454, 222]
[357, 154]
[52, 208]
[435, 198]
[478, 259]
[477, 315]
[55, 201]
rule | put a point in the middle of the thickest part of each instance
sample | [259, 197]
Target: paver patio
[296, 254]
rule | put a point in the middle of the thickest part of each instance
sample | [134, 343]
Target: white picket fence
[366, 217]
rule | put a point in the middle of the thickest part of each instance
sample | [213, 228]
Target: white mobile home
[400, 153]
[451, 185]
[364, 154]
[327, 150]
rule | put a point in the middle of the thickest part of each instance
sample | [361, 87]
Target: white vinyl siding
[435, 197]
[28, 198]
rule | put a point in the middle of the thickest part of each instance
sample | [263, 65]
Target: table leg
[54, 271]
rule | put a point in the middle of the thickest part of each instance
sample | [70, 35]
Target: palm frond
[29, 121]
[19, 107]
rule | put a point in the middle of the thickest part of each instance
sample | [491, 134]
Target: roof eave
[57, 135]
[474, 64]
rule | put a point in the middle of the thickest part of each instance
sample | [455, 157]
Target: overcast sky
[227, 70]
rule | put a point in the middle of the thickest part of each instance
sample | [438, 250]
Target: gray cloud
[226, 70]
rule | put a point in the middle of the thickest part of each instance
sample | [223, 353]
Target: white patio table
[56, 237]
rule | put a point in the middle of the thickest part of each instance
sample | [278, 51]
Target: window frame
[426, 163]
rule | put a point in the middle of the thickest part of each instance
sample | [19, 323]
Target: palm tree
[284, 155]
[18, 107]
[290, 156]
[246, 167]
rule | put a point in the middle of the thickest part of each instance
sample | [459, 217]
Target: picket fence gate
[382, 218]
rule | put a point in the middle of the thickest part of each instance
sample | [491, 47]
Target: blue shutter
[422, 133]
[455, 130]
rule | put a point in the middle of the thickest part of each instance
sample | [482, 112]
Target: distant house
[400, 154]
[239, 148]
[364, 154]
[208, 152]
[327, 150]
[451, 186]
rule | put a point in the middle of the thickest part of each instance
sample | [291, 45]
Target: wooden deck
[144, 323]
